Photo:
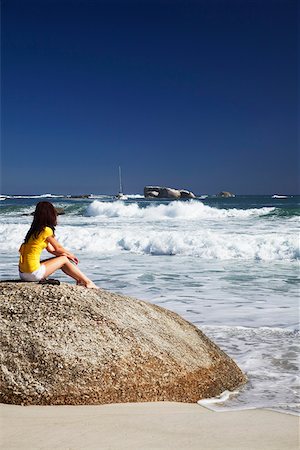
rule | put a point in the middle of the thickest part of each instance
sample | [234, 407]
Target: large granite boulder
[166, 192]
[70, 345]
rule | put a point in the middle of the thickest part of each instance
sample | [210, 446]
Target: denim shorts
[36, 275]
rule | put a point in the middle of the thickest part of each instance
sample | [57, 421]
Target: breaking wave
[199, 243]
[191, 210]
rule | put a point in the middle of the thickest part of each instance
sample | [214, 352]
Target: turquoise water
[230, 266]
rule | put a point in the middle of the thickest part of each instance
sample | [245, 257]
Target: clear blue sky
[191, 94]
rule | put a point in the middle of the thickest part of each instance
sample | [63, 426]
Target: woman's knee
[64, 259]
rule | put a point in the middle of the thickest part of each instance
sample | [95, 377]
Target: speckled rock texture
[67, 345]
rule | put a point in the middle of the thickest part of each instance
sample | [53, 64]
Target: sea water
[230, 266]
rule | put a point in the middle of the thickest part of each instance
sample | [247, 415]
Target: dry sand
[143, 426]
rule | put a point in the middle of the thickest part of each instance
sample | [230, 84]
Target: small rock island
[166, 192]
[67, 345]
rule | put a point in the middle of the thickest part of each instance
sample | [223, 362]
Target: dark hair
[44, 216]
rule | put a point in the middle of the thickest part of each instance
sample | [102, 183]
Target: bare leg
[74, 272]
[62, 262]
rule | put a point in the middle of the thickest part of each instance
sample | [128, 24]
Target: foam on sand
[222, 398]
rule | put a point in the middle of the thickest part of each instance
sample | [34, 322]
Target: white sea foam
[279, 196]
[190, 210]
[270, 357]
[134, 196]
[35, 196]
[219, 399]
[139, 239]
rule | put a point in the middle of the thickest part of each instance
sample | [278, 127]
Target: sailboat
[120, 195]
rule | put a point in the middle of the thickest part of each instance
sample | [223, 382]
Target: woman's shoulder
[47, 231]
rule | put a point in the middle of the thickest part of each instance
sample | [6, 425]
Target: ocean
[228, 265]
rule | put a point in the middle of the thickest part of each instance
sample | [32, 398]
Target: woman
[41, 236]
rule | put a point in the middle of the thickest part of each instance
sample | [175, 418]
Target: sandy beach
[161, 425]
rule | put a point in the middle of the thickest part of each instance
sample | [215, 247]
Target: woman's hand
[72, 258]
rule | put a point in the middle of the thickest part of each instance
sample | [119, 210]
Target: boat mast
[120, 181]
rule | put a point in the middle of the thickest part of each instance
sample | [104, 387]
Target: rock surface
[161, 192]
[186, 194]
[226, 194]
[166, 192]
[70, 345]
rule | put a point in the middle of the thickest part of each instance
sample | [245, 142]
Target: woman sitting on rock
[41, 236]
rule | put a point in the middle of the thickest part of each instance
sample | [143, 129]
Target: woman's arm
[51, 249]
[56, 249]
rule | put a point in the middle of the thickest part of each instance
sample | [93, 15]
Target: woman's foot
[91, 285]
[88, 284]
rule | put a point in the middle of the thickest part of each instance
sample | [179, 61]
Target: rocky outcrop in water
[80, 196]
[59, 212]
[225, 194]
[70, 345]
[166, 192]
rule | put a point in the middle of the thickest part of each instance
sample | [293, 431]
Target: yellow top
[30, 251]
